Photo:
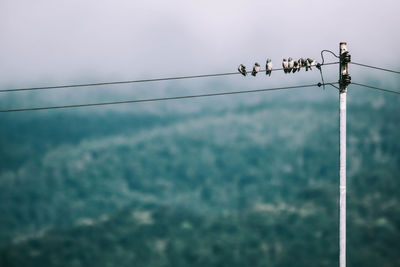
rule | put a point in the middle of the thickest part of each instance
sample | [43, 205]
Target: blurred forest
[251, 185]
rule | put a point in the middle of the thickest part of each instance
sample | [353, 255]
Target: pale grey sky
[64, 41]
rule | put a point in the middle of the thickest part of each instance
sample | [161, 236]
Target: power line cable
[159, 99]
[323, 61]
[322, 77]
[327, 51]
[373, 67]
[132, 81]
[331, 84]
[377, 88]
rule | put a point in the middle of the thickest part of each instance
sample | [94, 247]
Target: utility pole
[344, 81]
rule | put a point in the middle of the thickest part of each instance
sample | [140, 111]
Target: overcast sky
[58, 41]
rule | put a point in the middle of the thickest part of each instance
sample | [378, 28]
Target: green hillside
[254, 185]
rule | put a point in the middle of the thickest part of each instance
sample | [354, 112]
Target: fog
[53, 42]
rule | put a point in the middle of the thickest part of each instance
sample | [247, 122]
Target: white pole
[342, 158]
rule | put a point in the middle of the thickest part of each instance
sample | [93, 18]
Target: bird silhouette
[242, 69]
[268, 67]
[295, 66]
[290, 64]
[285, 65]
[256, 69]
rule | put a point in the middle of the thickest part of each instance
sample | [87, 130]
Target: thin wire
[323, 61]
[373, 67]
[133, 81]
[157, 99]
[328, 51]
[377, 88]
[322, 77]
[331, 84]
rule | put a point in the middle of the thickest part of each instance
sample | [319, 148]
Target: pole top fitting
[344, 82]
[345, 57]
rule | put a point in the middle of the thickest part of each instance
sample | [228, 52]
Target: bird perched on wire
[308, 64]
[290, 64]
[303, 62]
[256, 69]
[242, 69]
[285, 65]
[312, 62]
[268, 67]
[300, 62]
[296, 66]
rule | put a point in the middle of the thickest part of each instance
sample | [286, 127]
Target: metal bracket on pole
[345, 59]
[344, 81]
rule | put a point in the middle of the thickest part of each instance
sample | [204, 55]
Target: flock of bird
[289, 66]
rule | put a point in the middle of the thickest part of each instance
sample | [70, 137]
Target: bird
[296, 66]
[312, 61]
[303, 62]
[290, 64]
[256, 69]
[268, 67]
[242, 69]
[299, 64]
[308, 65]
[285, 65]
